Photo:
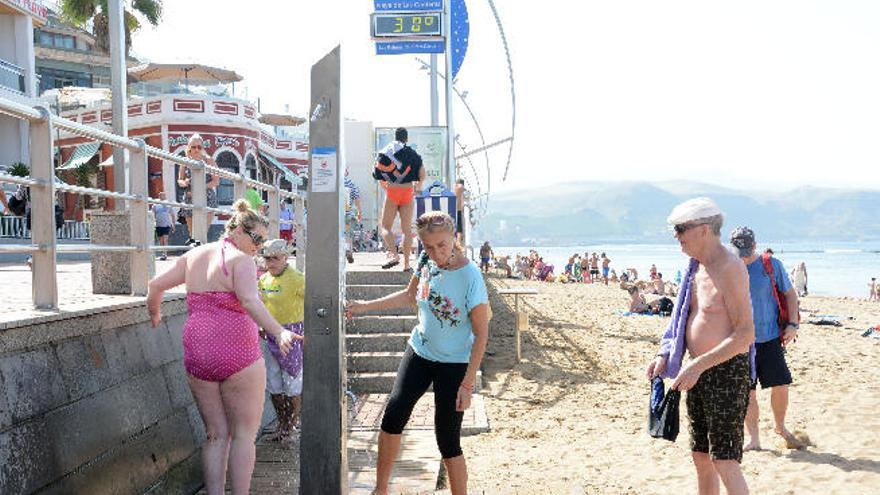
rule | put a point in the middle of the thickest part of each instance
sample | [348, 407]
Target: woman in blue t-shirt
[445, 348]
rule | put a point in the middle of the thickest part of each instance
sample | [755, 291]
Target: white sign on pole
[324, 170]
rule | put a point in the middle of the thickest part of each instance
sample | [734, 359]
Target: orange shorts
[400, 195]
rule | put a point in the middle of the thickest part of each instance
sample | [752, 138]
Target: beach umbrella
[189, 73]
[281, 120]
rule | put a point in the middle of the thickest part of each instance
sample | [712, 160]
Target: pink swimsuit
[219, 338]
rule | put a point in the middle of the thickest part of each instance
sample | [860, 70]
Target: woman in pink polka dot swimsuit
[221, 350]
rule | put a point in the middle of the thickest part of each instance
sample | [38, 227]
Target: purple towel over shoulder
[673, 344]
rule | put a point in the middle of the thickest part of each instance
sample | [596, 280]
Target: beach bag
[665, 306]
[783, 319]
[663, 420]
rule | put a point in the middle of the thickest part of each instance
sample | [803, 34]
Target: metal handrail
[44, 183]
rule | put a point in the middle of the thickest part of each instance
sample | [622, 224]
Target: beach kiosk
[436, 197]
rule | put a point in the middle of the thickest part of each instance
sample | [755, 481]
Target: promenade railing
[43, 186]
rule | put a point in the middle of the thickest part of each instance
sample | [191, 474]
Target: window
[45, 39]
[226, 192]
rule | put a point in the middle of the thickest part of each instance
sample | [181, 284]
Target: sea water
[833, 269]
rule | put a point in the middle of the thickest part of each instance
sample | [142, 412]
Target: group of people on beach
[231, 305]
[735, 314]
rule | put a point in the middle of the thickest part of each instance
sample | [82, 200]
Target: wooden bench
[517, 293]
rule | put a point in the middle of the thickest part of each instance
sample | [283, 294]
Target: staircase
[376, 342]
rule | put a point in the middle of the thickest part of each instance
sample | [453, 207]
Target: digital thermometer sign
[390, 25]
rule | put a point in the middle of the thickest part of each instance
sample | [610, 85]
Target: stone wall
[97, 402]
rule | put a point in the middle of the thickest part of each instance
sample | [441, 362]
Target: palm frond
[150, 9]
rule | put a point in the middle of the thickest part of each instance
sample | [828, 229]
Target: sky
[749, 94]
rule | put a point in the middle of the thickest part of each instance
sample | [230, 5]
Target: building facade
[230, 127]
[18, 79]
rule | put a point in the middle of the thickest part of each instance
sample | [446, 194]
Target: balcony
[12, 77]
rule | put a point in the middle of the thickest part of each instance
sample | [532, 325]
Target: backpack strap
[766, 260]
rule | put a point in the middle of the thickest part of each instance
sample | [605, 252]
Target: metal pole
[140, 233]
[119, 98]
[450, 129]
[44, 277]
[323, 441]
[435, 97]
[300, 225]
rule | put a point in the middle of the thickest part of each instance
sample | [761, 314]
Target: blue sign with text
[400, 47]
[408, 5]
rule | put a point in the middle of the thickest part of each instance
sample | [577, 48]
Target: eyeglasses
[432, 220]
[681, 228]
[196, 147]
[256, 238]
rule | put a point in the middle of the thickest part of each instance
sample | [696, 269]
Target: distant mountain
[587, 212]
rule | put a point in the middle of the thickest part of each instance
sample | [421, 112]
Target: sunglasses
[435, 221]
[196, 147]
[256, 238]
[681, 228]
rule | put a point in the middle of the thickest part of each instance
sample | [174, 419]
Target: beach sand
[571, 417]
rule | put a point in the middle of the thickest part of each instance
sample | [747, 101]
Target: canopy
[289, 176]
[83, 153]
[190, 73]
[280, 120]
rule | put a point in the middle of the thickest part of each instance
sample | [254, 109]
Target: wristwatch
[796, 326]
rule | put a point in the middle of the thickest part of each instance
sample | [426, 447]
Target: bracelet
[469, 388]
[660, 354]
[796, 326]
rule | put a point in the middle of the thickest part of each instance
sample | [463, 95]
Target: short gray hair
[715, 222]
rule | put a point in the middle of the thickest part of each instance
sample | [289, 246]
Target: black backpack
[18, 207]
[665, 306]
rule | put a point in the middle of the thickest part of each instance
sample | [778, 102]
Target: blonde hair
[436, 221]
[194, 137]
[245, 217]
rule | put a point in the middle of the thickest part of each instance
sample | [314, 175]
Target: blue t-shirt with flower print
[445, 299]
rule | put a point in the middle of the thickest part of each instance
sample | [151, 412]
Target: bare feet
[791, 441]
[754, 444]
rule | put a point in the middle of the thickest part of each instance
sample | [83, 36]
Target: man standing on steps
[771, 368]
[399, 169]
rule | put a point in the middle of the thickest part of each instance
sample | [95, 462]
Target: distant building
[68, 56]
[18, 79]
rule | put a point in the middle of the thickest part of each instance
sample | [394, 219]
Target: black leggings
[414, 376]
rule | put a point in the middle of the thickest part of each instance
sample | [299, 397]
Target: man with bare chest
[713, 321]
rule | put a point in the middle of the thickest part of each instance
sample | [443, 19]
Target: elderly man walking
[713, 321]
[770, 366]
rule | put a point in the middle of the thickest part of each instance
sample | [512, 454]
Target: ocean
[833, 269]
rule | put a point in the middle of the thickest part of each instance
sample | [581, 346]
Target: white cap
[274, 247]
[693, 209]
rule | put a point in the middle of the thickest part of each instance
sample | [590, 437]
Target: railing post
[239, 187]
[137, 210]
[199, 201]
[274, 213]
[300, 225]
[45, 283]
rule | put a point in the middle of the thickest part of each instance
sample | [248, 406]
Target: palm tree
[80, 12]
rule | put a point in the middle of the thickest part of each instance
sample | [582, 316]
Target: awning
[82, 154]
[289, 176]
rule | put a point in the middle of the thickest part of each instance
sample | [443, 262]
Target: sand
[571, 417]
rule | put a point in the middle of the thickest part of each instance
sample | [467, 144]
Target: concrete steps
[382, 323]
[381, 382]
[374, 361]
[376, 342]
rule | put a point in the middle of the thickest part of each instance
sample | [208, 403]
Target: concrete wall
[98, 403]
[360, 158]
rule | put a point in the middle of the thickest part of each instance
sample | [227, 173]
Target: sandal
[390, 264]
